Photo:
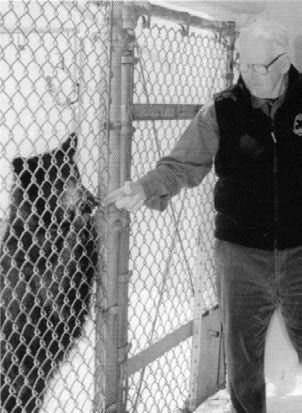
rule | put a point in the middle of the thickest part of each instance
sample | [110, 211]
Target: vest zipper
[276, 192]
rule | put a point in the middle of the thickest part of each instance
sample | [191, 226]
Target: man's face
[262, 85]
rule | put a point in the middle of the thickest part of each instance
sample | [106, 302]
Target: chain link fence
[53, 170]
[93, 93]
[175, 64]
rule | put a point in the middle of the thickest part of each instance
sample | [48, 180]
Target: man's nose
[251, 70]
[252, 73]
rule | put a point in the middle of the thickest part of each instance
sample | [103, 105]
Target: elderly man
[253, 134]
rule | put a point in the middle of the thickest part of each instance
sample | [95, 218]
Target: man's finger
[127, 202]
[114, 196]
[128, 185]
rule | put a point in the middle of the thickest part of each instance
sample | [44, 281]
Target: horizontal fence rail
[164, 112]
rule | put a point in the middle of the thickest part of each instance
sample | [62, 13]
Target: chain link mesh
[55, 60]
[172, 67]
[54, 97]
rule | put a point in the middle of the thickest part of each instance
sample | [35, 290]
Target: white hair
[264, 30]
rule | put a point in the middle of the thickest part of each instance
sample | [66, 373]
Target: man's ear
[285, 64]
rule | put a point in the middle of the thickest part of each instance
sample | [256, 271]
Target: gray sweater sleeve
[187, 164]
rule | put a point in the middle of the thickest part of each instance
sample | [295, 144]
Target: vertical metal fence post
[101, 321]
[127, 60]
[114, 216]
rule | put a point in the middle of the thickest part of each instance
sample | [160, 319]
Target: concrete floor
[220, 403]
[283, 376]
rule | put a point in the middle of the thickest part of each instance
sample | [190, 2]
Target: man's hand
[131, 196]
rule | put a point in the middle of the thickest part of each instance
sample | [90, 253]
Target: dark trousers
[251, 284]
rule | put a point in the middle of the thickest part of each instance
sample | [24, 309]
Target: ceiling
[236, 10]
[236, 7]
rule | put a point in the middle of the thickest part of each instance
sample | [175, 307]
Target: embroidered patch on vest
[297, 129]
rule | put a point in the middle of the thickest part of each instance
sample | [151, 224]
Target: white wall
[289, 14]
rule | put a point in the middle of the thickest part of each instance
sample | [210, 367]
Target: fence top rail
[141, 8]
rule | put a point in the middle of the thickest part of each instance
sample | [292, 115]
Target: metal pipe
[114, 218]
[127, 63]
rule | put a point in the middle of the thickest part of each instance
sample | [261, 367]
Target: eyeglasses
[262, 69]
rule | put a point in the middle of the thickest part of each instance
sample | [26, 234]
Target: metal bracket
[109, 310]
[122, 353]
[213, 333]
[124, 278]
[118, 125]
[127, 60]
[113, 125]
[185, 28]
[146, 21]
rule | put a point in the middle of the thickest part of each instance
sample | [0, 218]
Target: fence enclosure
[125, 78]
[54, 84]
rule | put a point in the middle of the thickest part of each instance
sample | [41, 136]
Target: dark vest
[258, 195]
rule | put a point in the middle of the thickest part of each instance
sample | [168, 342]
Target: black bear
[48, 260]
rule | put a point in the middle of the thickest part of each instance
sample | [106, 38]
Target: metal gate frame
[122, 115]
